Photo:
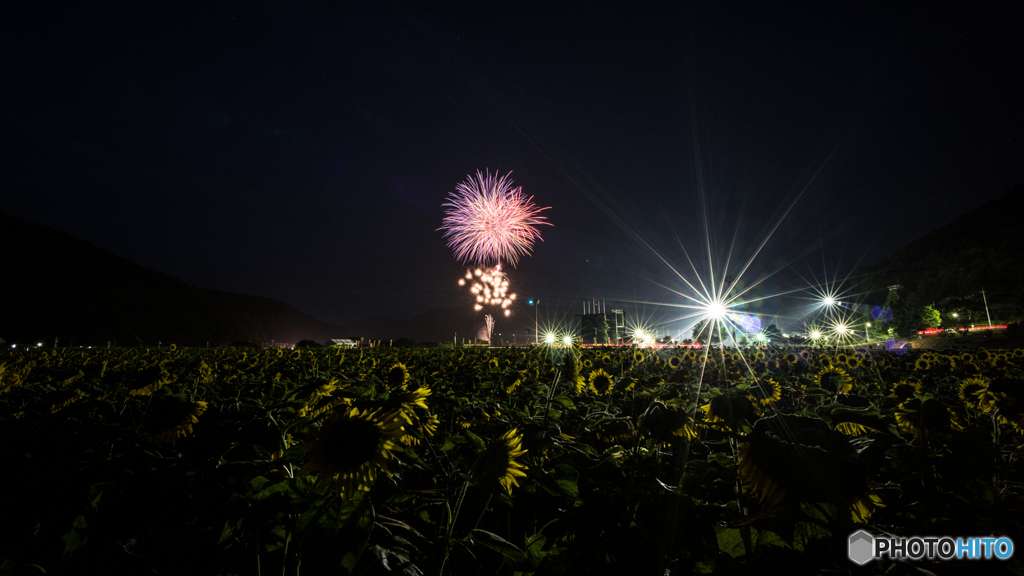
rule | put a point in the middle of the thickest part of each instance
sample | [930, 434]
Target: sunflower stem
[482, 512]
[451, 526]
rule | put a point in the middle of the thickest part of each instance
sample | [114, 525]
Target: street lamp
[536, 310]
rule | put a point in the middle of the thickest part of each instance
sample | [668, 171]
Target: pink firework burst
[487, 221]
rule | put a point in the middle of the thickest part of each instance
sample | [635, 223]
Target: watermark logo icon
[861, 547]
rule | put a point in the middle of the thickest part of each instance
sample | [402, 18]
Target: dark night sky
[303, 153]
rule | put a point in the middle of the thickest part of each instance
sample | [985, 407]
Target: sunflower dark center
[830, 381]
[396, 376]
[351, 443]
[602, 383]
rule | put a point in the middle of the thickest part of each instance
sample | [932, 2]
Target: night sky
[303, 153]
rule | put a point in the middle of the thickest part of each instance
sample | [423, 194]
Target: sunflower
[429, 427]
[765, 391]
[922, 364]
[841, 358]
[601, 382]
[625, 384]
[729, 409]
[905, 390]
[475, 417]
[499, 461]
[147, 381]
[513, 380]
[663, 423]
[854, 362]
[171, 418]
[834, 380]
[638, 357]
[675, 362]
[588, 363]
[411, 400]
[397, 375]
[852, 428]
[352, 447]
[616, 432]
[922, 418]
[61, 399]
[606, 360]
[1002, 397]
[493, 363]
[790, 358]
[970, 391]
[793, 458]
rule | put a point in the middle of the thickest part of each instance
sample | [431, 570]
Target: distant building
[343, 342]
[611, 323]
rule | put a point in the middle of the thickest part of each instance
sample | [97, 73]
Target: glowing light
[488, 221]
[828, 301]
[567, 340]
[716, 309]
[490, 287]
[761, 337]
[549, 338]
[815, 335]
[840, 329]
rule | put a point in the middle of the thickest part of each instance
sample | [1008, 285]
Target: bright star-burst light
[487, 221]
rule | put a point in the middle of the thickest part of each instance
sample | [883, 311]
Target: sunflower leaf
[498, 544]
[476, 441]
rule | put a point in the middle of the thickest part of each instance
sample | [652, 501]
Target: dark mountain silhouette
[58, 286]
[980, 250]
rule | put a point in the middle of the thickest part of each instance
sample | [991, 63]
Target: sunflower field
[540, 460]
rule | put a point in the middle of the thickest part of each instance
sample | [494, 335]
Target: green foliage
[930, 317]
[682, 467]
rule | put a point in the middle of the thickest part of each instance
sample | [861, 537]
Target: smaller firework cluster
[490, 287]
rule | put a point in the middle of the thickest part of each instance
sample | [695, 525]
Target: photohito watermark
[863, 547]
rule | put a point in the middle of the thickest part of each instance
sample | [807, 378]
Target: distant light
[761, 337]
[815, 335]
[716, 310]
[531, 302]
[869, 324]
[955, 315]
[829, 301]
[550, 338]
[567, 340]
[639, 336]
[841, 329]
[40, 344]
